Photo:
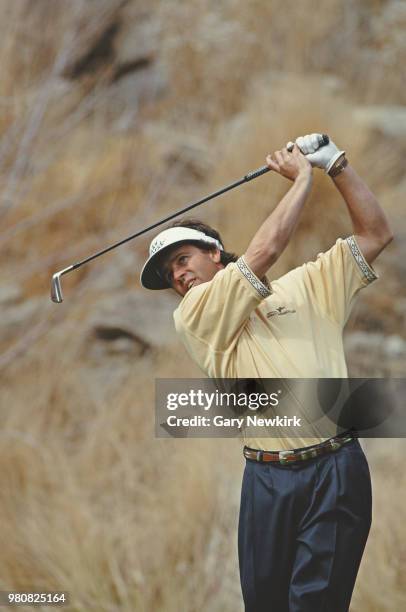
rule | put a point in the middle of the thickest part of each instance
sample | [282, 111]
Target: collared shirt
[235, 327]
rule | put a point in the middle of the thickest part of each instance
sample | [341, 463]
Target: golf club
[56, 286]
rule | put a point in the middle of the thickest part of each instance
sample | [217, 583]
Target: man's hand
[274, 234]
[323, 157]
[290, 165]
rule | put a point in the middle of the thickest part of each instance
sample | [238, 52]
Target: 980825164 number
[50, 598]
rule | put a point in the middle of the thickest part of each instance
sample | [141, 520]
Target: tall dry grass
[91, 506]
[91, 502]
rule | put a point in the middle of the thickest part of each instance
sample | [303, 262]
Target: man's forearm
[369, 221]
[274, 234]
[366, 214]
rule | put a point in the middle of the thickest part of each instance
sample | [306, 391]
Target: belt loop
[260, 455]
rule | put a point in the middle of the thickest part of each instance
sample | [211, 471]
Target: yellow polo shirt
[235, 327]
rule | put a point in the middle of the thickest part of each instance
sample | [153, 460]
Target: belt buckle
[260, 455]
[335, 444]
[283, 456]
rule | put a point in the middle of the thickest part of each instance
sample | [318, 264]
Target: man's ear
[215, 255]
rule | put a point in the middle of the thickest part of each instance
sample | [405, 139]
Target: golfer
[306, 503]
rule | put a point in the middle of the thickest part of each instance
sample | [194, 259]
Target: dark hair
[225, 257]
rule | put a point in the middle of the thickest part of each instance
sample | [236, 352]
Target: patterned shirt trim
[367, 271]
[250, 276]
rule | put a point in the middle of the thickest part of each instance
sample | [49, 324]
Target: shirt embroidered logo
[282, 310]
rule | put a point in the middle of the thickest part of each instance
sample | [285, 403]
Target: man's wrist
[305, 176]
[339, 166]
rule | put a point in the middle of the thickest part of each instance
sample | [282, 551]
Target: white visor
[151, 275]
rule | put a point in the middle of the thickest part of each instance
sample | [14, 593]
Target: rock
[392, 345]
[14, 317]
[10, 294]
[395, 346]
[375, 354]
[95, 36]
[390, 120]
[138, 75]
[118, 340]
[363, 341]
[138, 37]
[122, 41]
[194, 161]
[111, 278]
[400, 306]
[191, 152]
[131, 322]
[129, 91]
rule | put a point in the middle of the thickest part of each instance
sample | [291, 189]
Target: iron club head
[56, 286]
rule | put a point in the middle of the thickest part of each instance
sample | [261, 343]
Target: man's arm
[275, 232]
[370, 224]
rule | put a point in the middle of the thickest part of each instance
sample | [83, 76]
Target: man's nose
[178, 273]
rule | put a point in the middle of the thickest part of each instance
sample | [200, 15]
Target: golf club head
[56, 288]
[56, 285]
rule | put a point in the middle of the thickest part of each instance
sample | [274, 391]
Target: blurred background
[114, 114]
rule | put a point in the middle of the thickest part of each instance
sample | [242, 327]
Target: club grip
[255, 173]
[323, 140]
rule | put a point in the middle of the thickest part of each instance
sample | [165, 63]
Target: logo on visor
[156, 246]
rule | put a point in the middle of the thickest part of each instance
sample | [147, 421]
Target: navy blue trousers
[302, 531]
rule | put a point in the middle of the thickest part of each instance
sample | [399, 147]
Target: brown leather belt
[290, 456]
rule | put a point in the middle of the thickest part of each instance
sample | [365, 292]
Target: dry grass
[382, 576]
[91, 502]
[90, 506]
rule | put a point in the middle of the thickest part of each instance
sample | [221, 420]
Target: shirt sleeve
[215, 313]
[335, 278]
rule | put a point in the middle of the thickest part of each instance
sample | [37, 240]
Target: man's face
[188, 266]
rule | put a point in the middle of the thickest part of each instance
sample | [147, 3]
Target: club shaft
[246, 178]
[56, 288]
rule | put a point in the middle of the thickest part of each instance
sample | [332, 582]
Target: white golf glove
[319, 157]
